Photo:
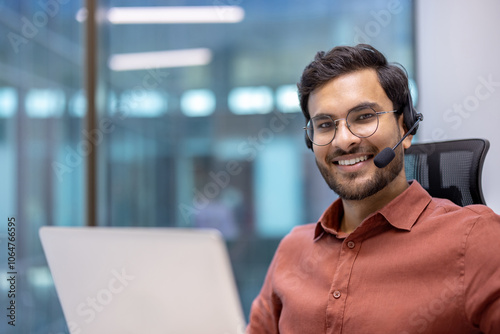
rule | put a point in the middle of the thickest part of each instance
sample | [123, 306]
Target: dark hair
[346, 59]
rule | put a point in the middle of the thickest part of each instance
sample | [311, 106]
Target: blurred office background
[197, 124]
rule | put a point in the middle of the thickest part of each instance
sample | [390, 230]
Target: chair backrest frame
[426, 162]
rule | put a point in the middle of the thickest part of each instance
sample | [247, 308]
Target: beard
[345, 185]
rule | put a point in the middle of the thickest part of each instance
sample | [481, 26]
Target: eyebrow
[359, 106]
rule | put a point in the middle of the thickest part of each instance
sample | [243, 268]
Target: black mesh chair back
[450, 169]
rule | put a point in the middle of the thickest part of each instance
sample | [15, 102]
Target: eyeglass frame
[336, 121]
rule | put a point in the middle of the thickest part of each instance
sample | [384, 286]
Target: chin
[358, 187]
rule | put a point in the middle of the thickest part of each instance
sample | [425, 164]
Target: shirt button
[336, 294]
[351, 244]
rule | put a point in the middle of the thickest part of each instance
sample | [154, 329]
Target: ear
[407, 141]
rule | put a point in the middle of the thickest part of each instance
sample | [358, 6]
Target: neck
[356, 211]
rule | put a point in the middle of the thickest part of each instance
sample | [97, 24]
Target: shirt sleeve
[266, 308]
[482, 272]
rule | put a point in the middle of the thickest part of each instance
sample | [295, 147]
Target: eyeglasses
[361, 122]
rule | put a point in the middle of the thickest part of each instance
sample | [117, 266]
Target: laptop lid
[143, 280]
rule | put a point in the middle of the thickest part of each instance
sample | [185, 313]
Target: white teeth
[352, 161]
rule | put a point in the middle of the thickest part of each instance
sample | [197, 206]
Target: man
[385, 257]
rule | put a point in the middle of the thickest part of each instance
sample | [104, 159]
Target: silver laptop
[143, 280]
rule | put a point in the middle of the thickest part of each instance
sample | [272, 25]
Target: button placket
[340, 283]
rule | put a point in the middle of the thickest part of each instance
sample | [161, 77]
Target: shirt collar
[402, 212]
[329, 220]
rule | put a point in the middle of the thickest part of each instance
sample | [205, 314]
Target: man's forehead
[348, 91]
[366, 75]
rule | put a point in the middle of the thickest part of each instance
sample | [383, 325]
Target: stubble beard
[345, 187]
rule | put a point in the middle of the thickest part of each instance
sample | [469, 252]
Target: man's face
[356, 177]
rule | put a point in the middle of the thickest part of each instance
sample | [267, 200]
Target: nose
[344, 139]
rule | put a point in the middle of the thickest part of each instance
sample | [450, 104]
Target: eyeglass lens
[361, 122]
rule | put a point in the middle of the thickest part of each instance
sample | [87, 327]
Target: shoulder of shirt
[478, 210]
[306, 228]
[300, 232]
[294, 242]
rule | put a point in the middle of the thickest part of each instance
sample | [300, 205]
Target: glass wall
[41, 112]
[198, 122]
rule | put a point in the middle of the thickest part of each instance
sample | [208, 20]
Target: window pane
[42, 149]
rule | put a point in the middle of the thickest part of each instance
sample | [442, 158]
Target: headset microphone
[385, 157]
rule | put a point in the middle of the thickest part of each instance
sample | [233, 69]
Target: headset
[410, 115]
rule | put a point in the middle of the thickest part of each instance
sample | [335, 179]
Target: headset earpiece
[410, 115]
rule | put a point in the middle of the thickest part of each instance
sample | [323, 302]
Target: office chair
[449, 169]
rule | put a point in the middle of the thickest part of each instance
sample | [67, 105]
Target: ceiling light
[175, 14]
[160, 59]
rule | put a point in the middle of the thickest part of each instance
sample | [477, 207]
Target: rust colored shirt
[418, 265]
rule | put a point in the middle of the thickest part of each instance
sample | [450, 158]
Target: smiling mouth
[350, 162]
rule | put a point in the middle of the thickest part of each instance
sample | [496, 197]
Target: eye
[362, 116]
[365, 116]
[323, 124]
